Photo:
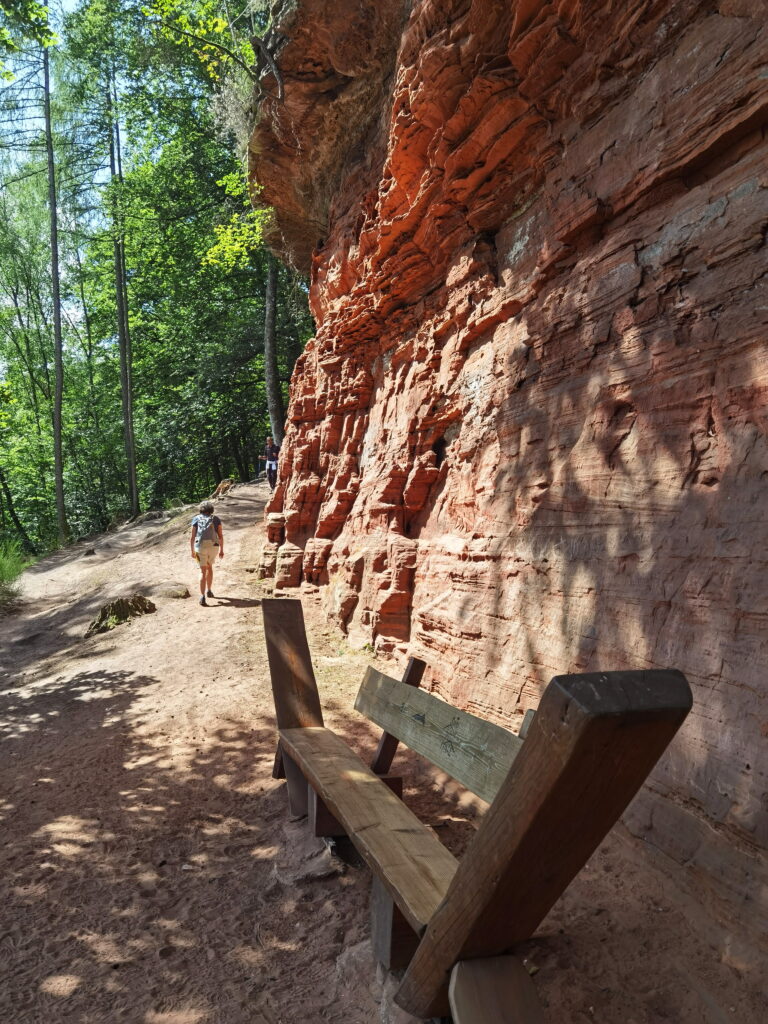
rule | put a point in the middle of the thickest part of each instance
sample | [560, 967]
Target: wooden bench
[555, 791]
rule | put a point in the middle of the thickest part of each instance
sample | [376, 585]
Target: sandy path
[144, 843]
[148, 870]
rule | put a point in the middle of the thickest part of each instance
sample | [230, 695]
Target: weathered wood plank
[592, 743]
[323, 824]
[495, 990]
[388, 743]
[411, 861]
[476, 753]
[297, 702]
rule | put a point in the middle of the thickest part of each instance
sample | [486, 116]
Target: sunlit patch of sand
[187, 1016]
[70, 835]
[104, 947]
[265, 852]
[61, 985]
[249, 956]
[67, 849]
[72, 828]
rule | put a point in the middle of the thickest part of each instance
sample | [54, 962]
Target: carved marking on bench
[474, 752]
[385, 752]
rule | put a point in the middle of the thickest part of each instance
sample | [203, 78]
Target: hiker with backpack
[205, 542]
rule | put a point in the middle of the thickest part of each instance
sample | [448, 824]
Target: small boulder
[170, 589]
[113, 613]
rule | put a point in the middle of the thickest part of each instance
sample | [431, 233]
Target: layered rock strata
[530, 436]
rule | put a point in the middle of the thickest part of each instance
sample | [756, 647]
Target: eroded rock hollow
[530, 434]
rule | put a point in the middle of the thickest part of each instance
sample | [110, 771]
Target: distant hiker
[270, 456]
[205, 542]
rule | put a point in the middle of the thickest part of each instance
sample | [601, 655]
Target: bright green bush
[12, 563]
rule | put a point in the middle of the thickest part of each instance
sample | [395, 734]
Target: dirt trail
[149, 872]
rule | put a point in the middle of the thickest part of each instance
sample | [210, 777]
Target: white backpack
[205, 531]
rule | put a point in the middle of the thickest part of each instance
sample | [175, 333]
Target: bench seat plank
[409, 858]
[476, 753]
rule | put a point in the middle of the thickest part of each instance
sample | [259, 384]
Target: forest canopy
[134, 286]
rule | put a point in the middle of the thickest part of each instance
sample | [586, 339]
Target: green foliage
[199, 26]
[12, 564]
[196, 277]
[238, 240]
[20, 20]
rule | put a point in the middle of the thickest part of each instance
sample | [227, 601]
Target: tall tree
[61, 515]
[121, 287]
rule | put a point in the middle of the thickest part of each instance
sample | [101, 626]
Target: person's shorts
[207, 552]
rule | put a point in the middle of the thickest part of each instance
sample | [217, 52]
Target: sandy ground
[150, 874]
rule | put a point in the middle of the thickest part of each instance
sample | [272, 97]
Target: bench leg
[278, 772]
[493, 990]
[393, 940]
[395, 783]
[321, 822]
[297, 788]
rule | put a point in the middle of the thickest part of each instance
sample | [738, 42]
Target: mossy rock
[120, 610]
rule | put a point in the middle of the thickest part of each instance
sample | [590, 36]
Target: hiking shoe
[209, 593]
[202, 599]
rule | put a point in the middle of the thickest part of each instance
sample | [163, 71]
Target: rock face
[530, 434]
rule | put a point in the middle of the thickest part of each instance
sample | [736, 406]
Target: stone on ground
[113, 613]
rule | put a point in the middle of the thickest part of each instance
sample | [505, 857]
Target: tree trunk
[93, 410]
[61, 515]
[240, 459]
[271, 375]
[27, 544]
[121, 297]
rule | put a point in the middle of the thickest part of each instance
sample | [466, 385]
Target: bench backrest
[476, 753]
[297, 702]
[594, 740]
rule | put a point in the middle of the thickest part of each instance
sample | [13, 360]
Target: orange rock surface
[530, 434]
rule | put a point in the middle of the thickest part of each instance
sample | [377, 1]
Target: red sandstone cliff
[530, 436]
